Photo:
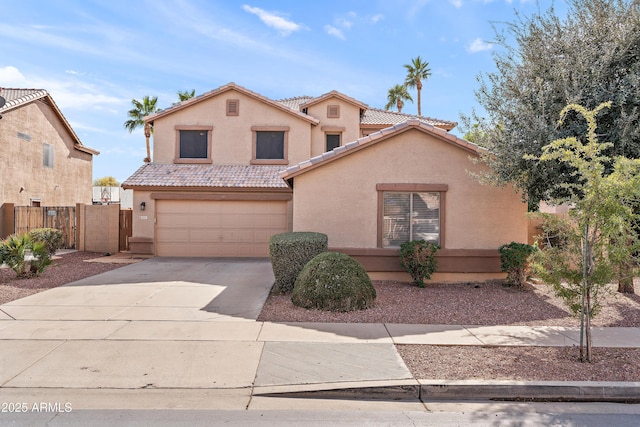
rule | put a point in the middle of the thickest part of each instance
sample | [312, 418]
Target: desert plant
[3, 252]
[335, 282]
[52, 238]
[17, 247]
[418, 258]
[41, 258]
[290, 252]
[514, 260]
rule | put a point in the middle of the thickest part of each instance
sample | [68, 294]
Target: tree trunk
[419, 87]
[588, 326]
[625, 279]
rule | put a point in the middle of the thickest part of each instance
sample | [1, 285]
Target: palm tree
[136, 118]
[396, 96]
[417, 71]
[184, 95]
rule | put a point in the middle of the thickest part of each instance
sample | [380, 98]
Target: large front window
[410, 216]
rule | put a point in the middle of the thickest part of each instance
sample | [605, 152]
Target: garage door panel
[218, 228]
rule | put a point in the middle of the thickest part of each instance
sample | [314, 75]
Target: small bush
[335, 282]
[290, 252]
[514, 260]
[418, 258]
[52, 238]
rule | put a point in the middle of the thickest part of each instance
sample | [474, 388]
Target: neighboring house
[42, 160]
[232, 167]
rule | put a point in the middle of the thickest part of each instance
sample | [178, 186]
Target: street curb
[575, 391]
[551, 391]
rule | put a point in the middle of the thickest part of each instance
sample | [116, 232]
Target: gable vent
[233, 107]
[333, 111]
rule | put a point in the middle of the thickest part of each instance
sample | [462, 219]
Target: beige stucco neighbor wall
[21, 160]
[340, 198]
[98, 228]
[232, 137]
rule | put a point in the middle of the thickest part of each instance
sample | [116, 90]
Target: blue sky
[94, 56]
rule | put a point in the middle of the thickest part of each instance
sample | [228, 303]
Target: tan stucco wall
[143, 220]
[349, 119]
[232, 137]
[340, 198]
[21, 162]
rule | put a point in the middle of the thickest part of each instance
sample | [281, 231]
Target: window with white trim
[410, 216]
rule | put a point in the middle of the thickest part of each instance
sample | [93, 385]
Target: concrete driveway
[157, 289]
[177, 333]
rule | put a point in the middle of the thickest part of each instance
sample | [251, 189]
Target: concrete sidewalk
[181, 333]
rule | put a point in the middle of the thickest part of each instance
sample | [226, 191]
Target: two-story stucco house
[42, 160]
[232, 167]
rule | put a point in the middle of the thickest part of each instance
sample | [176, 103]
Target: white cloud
[284, 26]
[12, 77]
[71, 93]
[456, 3]
[478, 45]
[377, 18]
[333, 31]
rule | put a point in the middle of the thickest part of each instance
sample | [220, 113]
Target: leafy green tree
[136, 115]
[106, 181]
[185, 95]
[547, 62]
[417, 72]
[602, 233]
[396, 97]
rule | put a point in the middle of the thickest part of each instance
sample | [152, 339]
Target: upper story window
[332, 141]
[333, 111]
[48, 151]
[270, 145]
[193, 144]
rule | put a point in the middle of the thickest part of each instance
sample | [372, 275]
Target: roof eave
[230, 86]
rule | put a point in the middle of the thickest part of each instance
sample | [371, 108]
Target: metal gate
[63, 218]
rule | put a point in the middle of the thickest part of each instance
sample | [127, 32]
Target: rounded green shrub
[514, 260]
[333, 281]
[290, 252]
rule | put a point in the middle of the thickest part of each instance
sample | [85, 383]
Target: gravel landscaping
[487, 304]
[449, 304]
[64, 269]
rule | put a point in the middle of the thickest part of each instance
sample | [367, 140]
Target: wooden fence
[63, 218]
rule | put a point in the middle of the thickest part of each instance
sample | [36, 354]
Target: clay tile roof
[375, 137]
[18, 97]
[334, 94]
[376, 116]
[294, 103]
[218, 176]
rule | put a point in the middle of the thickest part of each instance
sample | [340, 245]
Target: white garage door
[218, 228]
